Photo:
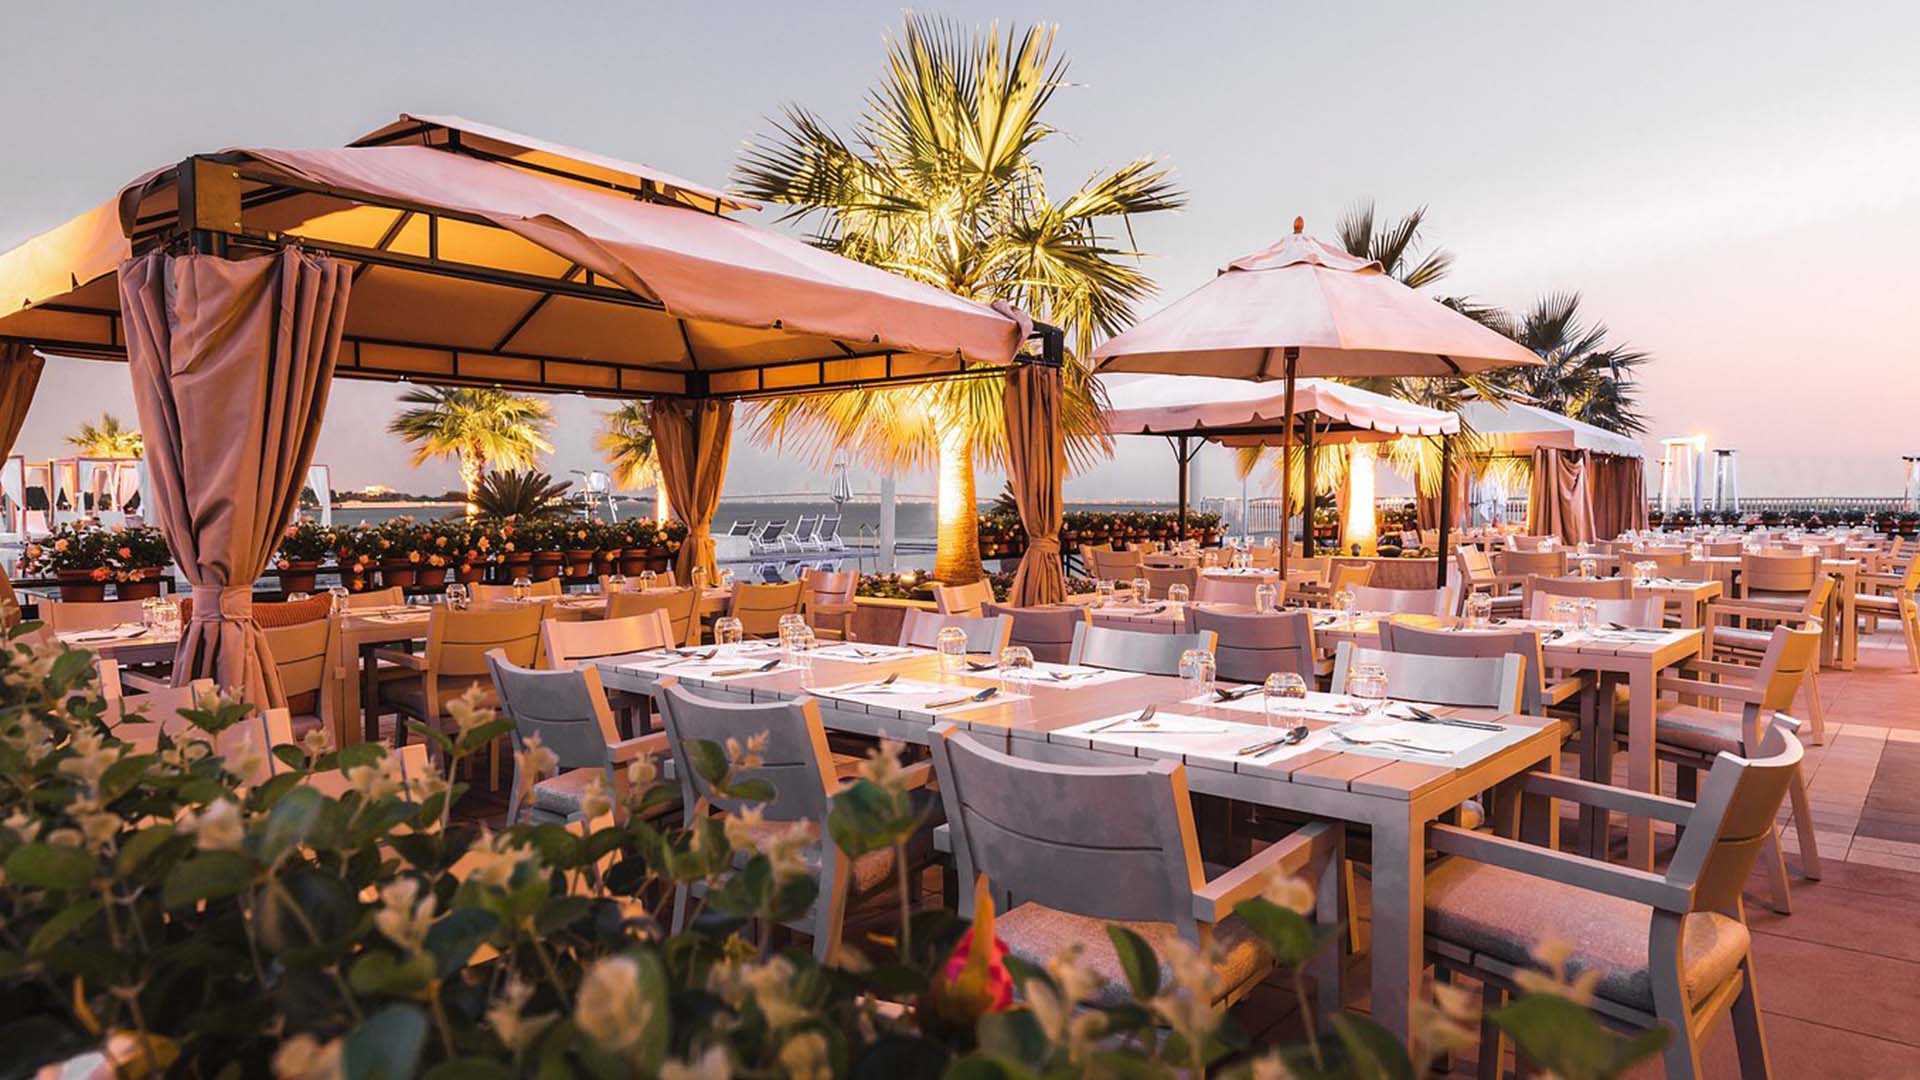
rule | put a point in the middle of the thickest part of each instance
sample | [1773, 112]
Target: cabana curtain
[692, 438]
[231, 363]
[1426, 508]
[1558, 502]
[1036, 463]
[1619, 489]
[19, 377]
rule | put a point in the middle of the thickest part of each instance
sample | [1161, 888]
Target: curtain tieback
[1044, 545]
[223, 603]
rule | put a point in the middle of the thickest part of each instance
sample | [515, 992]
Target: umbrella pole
[1286, 467]
[1306, 491]
[1180, 455]
[1446, 506]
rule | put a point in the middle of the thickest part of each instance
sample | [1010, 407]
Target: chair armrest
[1718, 691]
[639, 746]
[1716, 608]
[1292, 854]
[1604, 878]
[401, 658]
[918, 775]
[1608, 797]
[1742, 672]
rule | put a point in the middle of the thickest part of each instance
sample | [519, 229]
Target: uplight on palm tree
[107, 439]
[626, 444]
[939, 182]
[477, 427]
[1583, 377]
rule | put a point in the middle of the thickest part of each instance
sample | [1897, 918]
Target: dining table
[1392, 775]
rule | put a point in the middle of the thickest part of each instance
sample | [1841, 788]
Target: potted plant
[400, 555]
[140, 556]
[303, 547]
[79, 557]
[357, 554]
[578, 543]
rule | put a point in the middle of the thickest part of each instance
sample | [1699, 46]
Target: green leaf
[1569, 1040]
[291, 821]
[561, 912]
[64, 922]
[1373, 1052]
[1014, 1035]
[386, 1045]
[752, 790]
[1287, 933]
[1138, 960]
[208, 875]
[381, 972]
[709, 761]
[453, 939]
[49, 866]
[471, 1068]
[292, 756]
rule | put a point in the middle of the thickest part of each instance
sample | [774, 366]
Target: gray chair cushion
[1741, 637]
[561, 793]
[1036, 934]
[410, 692]
[1697, 728]
[1503, 913]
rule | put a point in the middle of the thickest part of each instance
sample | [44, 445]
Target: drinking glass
[1479, 611]
[1196, 671]
[1242, 560]
[728, 631]
[1644, 570]
[1368, 683]
[1016, 667]
[338, 594]
[1563, 611]
[150, 616]
[616, 582]
[457, 596]
[1589, 568]
[726, 578]
[699, 577]
[647, 579]
[1281, 697]
[801, 653]
[1177, 598]
[1810, 549]
[1589, 613]
[952, 643]
[1141, 590]
[522, 587]
[1102, 593]
[1266, 597]
[1348, 603]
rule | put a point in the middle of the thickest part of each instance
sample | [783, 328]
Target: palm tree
[939, 182]
[1583, 377]
[478, 427]
[108, 439]
[626, 442]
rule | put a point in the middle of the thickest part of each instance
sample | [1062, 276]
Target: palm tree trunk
[472, 465]
[957, 557]
[660, 507]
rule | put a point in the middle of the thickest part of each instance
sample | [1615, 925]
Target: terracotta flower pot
[299, 576]
[470, 573]
[546, 565]
[606, 560]
[146, 588]
[399, 572]
[80, 587]
[633, 560]
[579, 562]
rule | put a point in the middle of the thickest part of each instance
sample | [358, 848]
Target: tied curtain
[1559, 502]
[231, 363]
[1036, 463]
[1426, 508]
[1619, 495]
[691, 439]
[19, 377]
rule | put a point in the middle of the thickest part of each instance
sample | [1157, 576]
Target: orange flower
[126, 553]
[60, 544]
[100, 573]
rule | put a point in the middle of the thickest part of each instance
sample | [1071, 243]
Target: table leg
[1399, 919]
[1596, 757]
[349, 693]
[1643, 769]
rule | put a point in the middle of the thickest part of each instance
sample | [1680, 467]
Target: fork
[962, 700]
[1398, 744]
[1145, 719]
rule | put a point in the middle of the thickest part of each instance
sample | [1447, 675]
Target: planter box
[79, 587]
[299, 576]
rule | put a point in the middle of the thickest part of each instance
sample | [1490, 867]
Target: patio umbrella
[841, 490]
[1301, 308]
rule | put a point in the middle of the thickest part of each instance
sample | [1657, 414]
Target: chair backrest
[771, 531]
[682, 608]
[1214, 589]
[962, 599]
[1646, 612]
[1617, 588]
[984, 634]
[1482, 682]
[1405, 601]
[1518, 542]
[391, 596]
[1027, 826]
[1134, 650]
[741, 528]
[829, 528]
[803, 529]
[1792, 652]
[458, 641]
[567, 709]
[1161, 578]
[1248, 648]
[1669, 562]
[1523, 563]
[1348, 575]
[1732, 818]
[1264, 557]
[829, 587]
[67, 616]
[795, 761]
[662, 579]
[483, 593]
[759, 607]
[1046, 631]
[301, 653]
[1475, 567]
[1088, 551]
[159, 707]
[1724, 548]
[1778, 576]
[1117, 565]
[568, 642]
[1401, 637]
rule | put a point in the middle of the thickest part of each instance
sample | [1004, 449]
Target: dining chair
[1120, 566]
[1046, 631]
[681, 607]
[985, 634]
[1133, 650]
[303, 654]
[796, 761]
[1218, 589]
[1747, 632]
[1249, 647]
[1518, 565]
[271, 613]
[1265, 556]
[1671, 950]
[962, 599]
[1088, 551]
[483, 593]
[1485, 682]
[391, 596]
[1348, 575]
[1061, 874]
[1689, 734]
[158, 705]
[569, 644]
[1162, 578]
[662, 579]
[1477, 576]
[759, 607]
[1438, 602]
[1667, 562]
[69, 616]
[1643, 612]
[1721, 549]
[1538, 688]
[455, 661]
[569, 713]
[827, 601]
[1894, 596]
[1574, 588]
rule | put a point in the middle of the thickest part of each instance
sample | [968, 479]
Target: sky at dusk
[1734, 188]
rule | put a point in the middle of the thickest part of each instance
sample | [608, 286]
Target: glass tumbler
[952, 643]
[1266, 597]
[1196, 672]
[728, 631]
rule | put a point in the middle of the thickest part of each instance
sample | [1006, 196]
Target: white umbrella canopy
[1234, 410]
[1304, 307]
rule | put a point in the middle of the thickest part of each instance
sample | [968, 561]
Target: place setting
[713, 663]
[897, 694]
[1158, 732]
[120, 632]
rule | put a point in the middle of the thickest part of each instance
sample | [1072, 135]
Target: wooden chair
[1721, 549]
[1046, 631]
[984, 634]
[391, 596]
[567, 644]
[1348, 575]
[455, 661]
[1135, 861]
[1577, 588]
[1438, 602]
[1671, 949]
[1894, 596]
[1779, 580]
[158, 706]
[303, 654]
[827, 601]
[1477, 576]
[662, 579]
[1490, 682]
[568, 710]
[1133, 650]
[1162, 578]
[1120, 566]
[483, 593]
[1645, 612]
[1748, 633]
[797, 763]
[962, 599]
[759, 607]
[1516, 566]
[1538, 690]
[681, 607]
[271, 613]
[1248, 648]
[1265, 556]
[1668, 562]
[1691, 734]
[1214, 589]
[69, 616]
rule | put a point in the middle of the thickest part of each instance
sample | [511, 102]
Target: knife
[966, 699]
[1293, 735]
[1235, 695]
[768, 666]
[1426, 717]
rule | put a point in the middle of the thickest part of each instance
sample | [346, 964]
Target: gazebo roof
[1239, 413]
[485, 257]
[1515, 427]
